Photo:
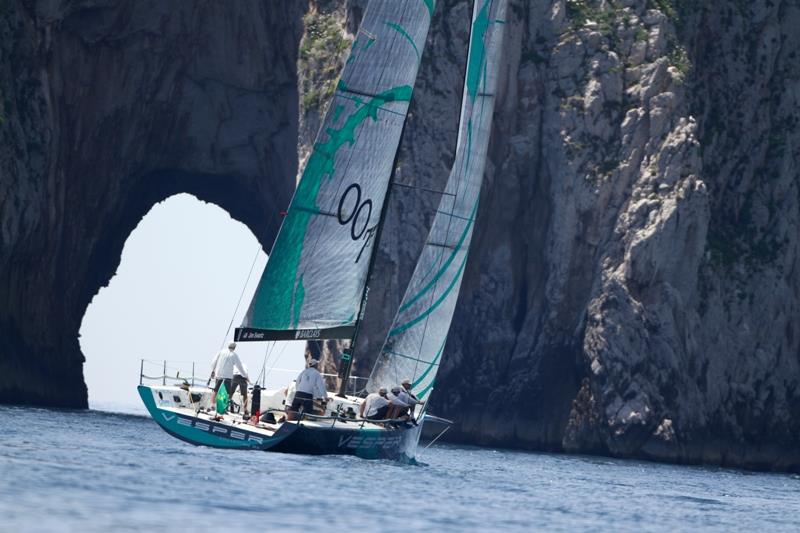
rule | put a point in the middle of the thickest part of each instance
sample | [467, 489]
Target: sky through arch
[181, 274]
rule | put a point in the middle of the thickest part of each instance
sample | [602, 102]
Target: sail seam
[445, 213]
[436, 304]
[404, 356]
[314, 211]
[407, 186]
[361, 102]
[441, 245]
[432, 364]
[446, 265]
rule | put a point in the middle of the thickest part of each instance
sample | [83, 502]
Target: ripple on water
[95, 471]
[695, 499]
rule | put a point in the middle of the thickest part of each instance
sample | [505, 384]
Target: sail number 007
[361, 210]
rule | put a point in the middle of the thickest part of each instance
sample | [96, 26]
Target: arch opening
[181, 274]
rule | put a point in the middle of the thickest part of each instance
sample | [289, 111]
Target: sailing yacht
[316, 282]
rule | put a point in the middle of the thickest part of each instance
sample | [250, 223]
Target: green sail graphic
[416, 339]
[317, 268]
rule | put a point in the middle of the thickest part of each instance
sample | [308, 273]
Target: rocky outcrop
[109, 107]
[632, 288]
[633, 284]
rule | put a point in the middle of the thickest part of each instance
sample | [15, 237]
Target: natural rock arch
[110, 109]
[633, 288]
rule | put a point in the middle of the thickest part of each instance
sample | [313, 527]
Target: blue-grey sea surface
[99, 471]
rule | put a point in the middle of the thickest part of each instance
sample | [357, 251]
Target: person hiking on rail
[375, 406]
[409, 397]
[405, 395]
[398, 406]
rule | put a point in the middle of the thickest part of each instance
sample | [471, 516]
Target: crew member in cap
[398, 408]
[310, 386]
[222, 367]
[410, 399]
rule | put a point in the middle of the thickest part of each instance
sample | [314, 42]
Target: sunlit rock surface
[633, 283]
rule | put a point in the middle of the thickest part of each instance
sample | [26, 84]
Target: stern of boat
[194, 428]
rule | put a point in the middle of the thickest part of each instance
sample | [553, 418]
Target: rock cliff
[633, 283]
[109, 107]
[633, 286]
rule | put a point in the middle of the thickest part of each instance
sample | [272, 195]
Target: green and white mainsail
[415, 342]
[314, 281]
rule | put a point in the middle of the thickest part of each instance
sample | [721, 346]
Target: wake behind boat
[316, 282]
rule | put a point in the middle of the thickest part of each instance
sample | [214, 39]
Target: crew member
[410, 398]
[222, 369]
[240, 381]
[398, 408]
[310, 386]
[375, 406]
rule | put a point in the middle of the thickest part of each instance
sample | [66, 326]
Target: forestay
[416, 340]
[314, 280]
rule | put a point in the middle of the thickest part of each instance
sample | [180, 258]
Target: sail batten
[418, 334]
[317, 270]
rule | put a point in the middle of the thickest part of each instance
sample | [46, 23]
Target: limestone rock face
[108, 108]
[633, 282]
[633, 286]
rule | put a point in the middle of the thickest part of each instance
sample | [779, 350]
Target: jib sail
[416, 340]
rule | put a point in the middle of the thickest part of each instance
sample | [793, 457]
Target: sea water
[99, 471]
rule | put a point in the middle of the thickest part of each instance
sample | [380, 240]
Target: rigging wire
[277, 358]
[267, 354]
[241, 295]
[431, 443]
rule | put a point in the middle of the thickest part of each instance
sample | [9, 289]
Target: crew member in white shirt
[410, 399]
[398, 406]
[375, 406]
[222, 369]
[309, 387]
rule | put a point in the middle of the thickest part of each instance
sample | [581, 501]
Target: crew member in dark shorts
[398, 408]
[222, 367]
[240, 381]
[310, 386]
[375, 405]
[228, 387]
